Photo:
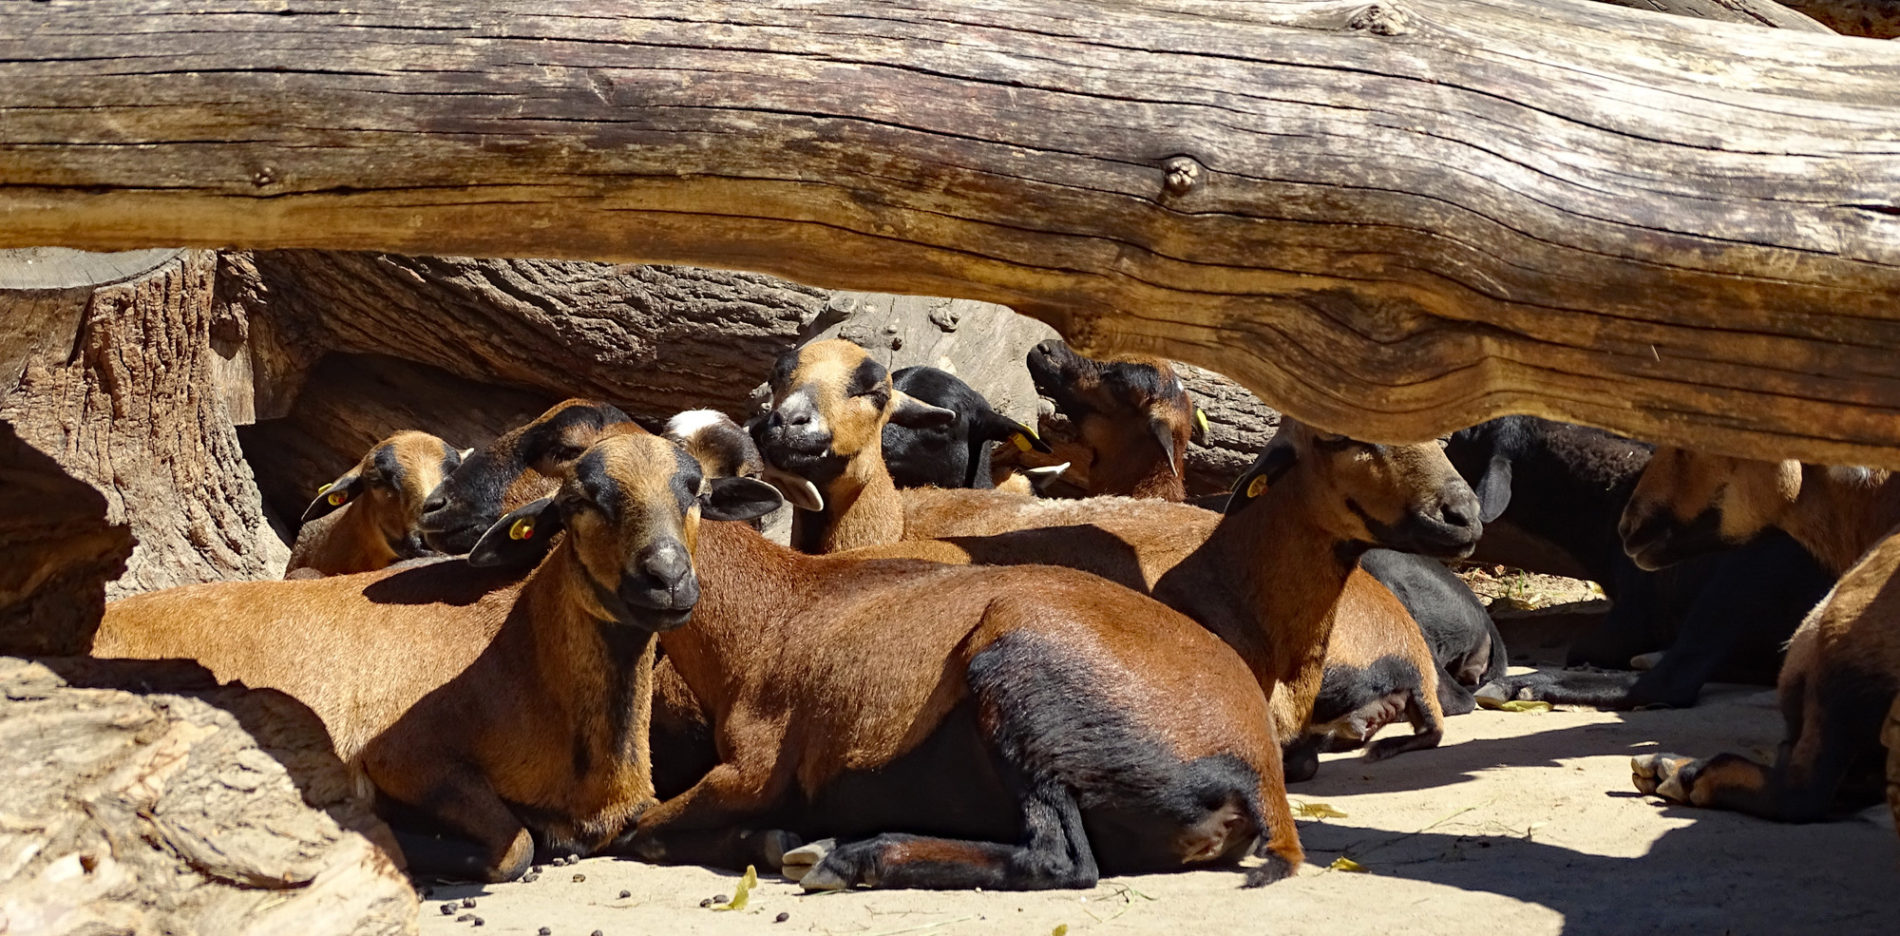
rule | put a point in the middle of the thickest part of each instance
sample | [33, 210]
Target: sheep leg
[1056, 854]
[705, 824]
[1890, 736]
[1427, 730]
[497, 846]
[1825, 733]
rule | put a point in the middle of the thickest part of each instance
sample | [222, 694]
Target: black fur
[1036, 785]
[870, 380]
[469, 500]
[1568, 485]
[1464, 641]
[952, 456]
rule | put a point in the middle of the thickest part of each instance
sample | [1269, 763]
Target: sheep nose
[800, 418]
[667, 564]
[434, 503]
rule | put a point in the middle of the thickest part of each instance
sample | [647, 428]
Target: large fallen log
[1391, 219]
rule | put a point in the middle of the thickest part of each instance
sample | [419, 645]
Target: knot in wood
[1184, 172]
[264, 176]
[1381, 19]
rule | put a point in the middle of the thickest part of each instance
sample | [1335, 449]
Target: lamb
[367, 519]
[953, 727]
[1265, 578]
[1842, 673]
[505, 706]
[1555, 491]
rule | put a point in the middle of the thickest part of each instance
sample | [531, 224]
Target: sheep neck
[581, 660]
[1839, 519]
[1287, 572]
[747, 585]
[862, 508]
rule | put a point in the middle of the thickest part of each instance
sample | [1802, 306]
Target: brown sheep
[962, 727]
[1132, 415]
[1842, 672]
[509, 710]
[1265, 578]
[367, 519]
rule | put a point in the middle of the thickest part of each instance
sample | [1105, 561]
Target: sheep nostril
[434, 503]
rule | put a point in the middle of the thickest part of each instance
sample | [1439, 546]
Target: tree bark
[1391, 219]
[181, 807]
[136, 391]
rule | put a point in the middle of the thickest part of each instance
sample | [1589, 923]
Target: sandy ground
[1522, 823]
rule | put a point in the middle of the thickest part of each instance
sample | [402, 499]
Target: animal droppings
[597, 933]
[545, 931]
[706, 903]
[782, 917]
[720, 899]
[468, 903]
[478, 921]
[579, 878]
[625, 894]
[447, 909]
[464, 918]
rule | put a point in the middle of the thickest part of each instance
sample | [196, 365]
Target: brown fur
[1843, 663]
[791, 655]
[376, 526]
[1120, 407]
[1265, 580]
[456, 691]
[1370, 626]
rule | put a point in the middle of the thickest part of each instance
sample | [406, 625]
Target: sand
[1522, 823]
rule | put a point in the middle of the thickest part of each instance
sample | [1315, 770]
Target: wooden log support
[1392, 218]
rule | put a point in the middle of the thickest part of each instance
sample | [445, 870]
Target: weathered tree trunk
[181, 807]
[136, 393]
[1678, 229]
[57, 552]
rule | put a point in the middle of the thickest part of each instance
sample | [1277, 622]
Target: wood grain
[1390, 219]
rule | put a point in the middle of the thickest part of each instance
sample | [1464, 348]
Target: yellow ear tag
[1200, 419]
[523, 529]
[1022, 442]
[337, 499]
[324, 487]
[1258, 486]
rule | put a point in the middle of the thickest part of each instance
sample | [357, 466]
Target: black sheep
[956, 455]
[1552, 494]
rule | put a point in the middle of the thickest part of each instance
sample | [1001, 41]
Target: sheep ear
[738, 499]
[1494, 489]
[1272, 463]
[798, 489]
[912, 413]
[1164, 434]
[334, 495]
[996, 427]
[520, 538]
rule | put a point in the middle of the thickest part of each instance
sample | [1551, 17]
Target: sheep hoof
[1493, 691]
[774, 845]
[797, 863]
[1660, 775]
[1646, 661]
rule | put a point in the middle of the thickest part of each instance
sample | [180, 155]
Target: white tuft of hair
[692, 422]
